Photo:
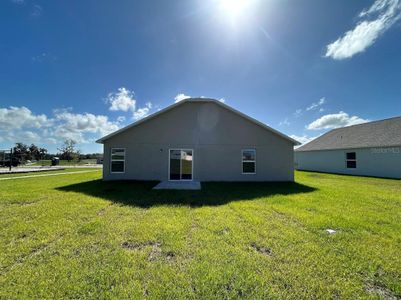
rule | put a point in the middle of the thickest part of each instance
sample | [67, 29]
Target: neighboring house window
[351, 160]
[249, 161]
[117, 160]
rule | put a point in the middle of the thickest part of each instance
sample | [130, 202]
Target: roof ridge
[376, 133]
[365, 123]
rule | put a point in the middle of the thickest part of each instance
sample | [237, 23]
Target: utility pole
[11, 157]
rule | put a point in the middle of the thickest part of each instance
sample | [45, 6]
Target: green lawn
[74, 236]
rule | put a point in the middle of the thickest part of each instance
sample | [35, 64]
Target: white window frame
[347, 160]
[112, 160]
[192, 164]
[242, 161]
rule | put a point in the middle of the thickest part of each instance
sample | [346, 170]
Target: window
[351, 160]
[117, 161]
[249, 161]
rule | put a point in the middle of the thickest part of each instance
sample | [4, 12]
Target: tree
[42, 153]
[33, 152]
[67, 150]
[21, 152]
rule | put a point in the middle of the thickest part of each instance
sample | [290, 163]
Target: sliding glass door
[181, 164]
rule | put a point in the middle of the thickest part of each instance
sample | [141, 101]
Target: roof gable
[189, 100]
[383, 133]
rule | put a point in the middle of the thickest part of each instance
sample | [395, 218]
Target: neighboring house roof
[383, 133]
[198, 100]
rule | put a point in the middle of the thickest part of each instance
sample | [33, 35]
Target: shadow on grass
[140, 193]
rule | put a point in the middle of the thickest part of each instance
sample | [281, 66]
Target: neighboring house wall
[217, 137]
[379, 162]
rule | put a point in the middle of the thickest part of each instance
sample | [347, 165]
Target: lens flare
[234, 8]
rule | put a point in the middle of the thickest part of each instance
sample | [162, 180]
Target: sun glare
[234, 8]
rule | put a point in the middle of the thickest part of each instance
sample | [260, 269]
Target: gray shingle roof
[383, 133]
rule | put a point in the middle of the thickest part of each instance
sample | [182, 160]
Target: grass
[74, 236]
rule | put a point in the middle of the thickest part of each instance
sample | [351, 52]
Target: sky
[82, 69]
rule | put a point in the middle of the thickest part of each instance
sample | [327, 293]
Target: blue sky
[81, 69]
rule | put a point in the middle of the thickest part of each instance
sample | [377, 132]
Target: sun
[233, 8]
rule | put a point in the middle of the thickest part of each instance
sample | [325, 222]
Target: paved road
[43, 175]
[28, 169]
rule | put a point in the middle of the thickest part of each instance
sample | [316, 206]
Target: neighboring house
[198, 139]
[370, 149]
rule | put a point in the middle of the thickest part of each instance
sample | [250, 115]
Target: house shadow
[140, 193]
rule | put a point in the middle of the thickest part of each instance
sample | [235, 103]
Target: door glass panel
[186, 164]
[175, 164]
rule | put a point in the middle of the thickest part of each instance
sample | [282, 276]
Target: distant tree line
[24, 152]
[68, 151]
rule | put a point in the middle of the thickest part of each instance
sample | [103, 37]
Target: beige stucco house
[198, 139]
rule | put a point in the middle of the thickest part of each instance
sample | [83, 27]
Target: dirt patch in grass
[263, 250]
[20, 203]
[155, 252]
[170, 255]
[134, 246]
[224, 231]
[380, 291]
[103, 210]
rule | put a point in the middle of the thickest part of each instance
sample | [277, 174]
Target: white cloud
[284, 122]
[332, 121]
[20, 124]
[51, 141]
[142, 112]
[222, 100]
[44, 57]
[315, 105]
[25, 136]
[21, 117]
[123, 100]
[298, 113]
[31, 136]
[374, 22]
[180, 97]
[121, 119]
[303, 139]
[74, 126]
[37, 11]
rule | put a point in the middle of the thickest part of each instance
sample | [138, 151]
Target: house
[369, 149]
[198, 139]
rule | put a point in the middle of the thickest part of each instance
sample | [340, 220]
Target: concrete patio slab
[178, 185]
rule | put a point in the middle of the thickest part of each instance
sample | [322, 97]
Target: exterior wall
[379, 162]
[217, 137]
